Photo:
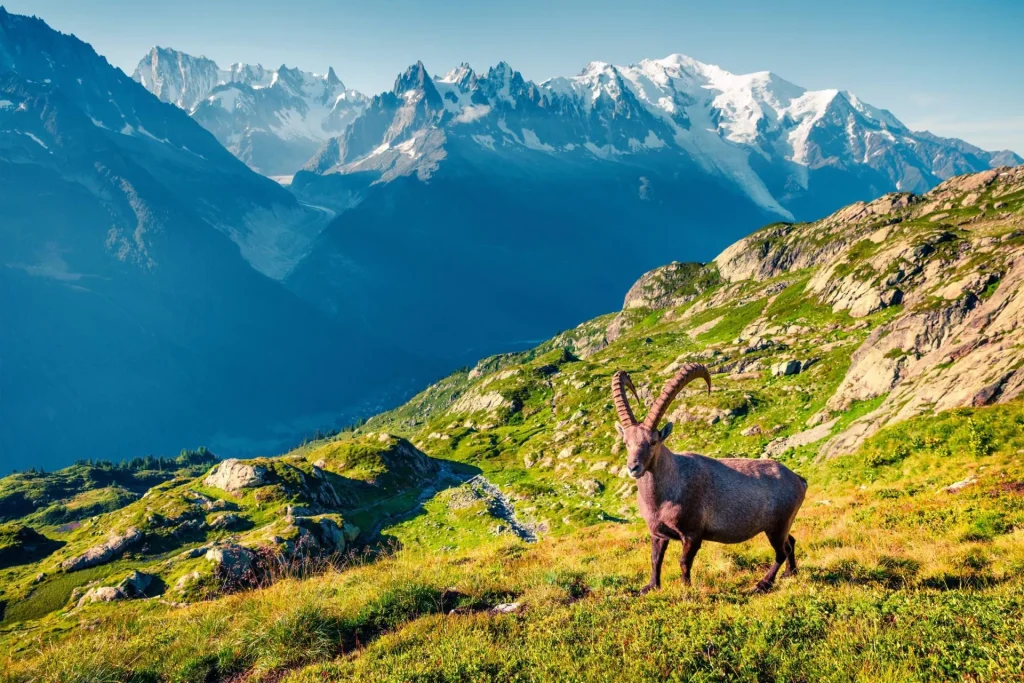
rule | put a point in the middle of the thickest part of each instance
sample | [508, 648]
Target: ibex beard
[692, 498]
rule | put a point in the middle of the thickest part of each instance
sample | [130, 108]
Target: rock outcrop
[777, 447]
[101, 554]
[783, 247]
[953, 277]
[227, 522]
[670, 286]
[785, 368]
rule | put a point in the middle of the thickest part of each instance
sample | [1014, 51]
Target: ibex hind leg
[780, 543]
[790, 557]
[691, 544]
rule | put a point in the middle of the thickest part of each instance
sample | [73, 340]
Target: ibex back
[692, 498]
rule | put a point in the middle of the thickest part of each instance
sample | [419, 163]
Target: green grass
[54, 593]
[733, 321]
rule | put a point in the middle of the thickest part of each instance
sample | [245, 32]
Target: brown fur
[691, 498]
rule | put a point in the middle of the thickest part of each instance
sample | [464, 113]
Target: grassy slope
[354, 466]
[900, 580]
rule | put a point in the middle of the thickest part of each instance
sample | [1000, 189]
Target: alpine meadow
[812, 372]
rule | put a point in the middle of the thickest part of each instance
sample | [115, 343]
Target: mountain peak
[414, 78]
[680, 62]
[460, 74]
[596, 67]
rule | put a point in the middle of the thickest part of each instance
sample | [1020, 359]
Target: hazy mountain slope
[269, 226]
[272, 119]
[127, 309]
[919, 517]
[520, 250]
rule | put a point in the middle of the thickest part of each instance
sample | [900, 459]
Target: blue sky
[954, 68]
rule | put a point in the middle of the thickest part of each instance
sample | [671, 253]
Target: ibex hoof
[761, 588]
[648, 588]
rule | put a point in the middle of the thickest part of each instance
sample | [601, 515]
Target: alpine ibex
[692, 498]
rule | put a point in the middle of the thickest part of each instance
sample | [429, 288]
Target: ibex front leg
[658, 547]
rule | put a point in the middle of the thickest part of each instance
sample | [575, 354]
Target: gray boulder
[233, 562]
[332, 535]
[351, 531]
[227, 521]
[102, 594]
[135, 584]
[786, 368]
[234, 475]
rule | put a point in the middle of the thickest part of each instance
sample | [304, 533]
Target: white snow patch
[503, 127]
[652, 141]
[51, 265]
[603, 152]
[151, 136]
[408, 148]
[807, 109]
[38, 141]
[191, 152]
[227, 98]
[531, 140]
[484, 141]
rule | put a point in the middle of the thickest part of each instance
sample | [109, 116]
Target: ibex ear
[620, 430]
[665, 431]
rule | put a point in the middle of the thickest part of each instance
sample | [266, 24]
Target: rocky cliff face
[951, 261]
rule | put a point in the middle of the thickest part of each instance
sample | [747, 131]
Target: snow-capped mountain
[272, 119]
[519, 201]
[758, 131]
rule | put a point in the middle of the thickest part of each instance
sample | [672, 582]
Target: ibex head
[643, 439]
